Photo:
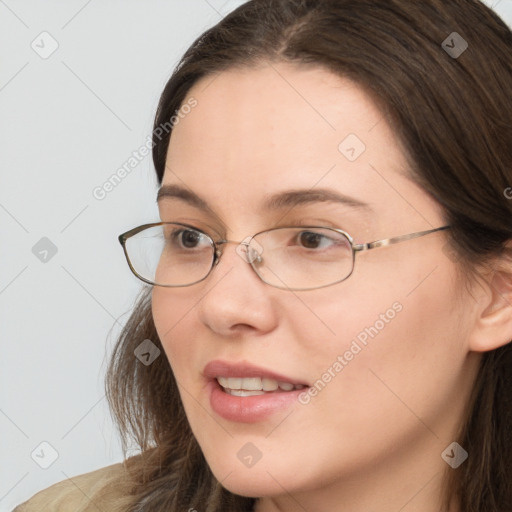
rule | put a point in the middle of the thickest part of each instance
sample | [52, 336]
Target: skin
[372, 439]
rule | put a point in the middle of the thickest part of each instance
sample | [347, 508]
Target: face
[382, 355]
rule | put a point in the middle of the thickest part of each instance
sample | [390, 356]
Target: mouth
[253, 386]
[244, 393]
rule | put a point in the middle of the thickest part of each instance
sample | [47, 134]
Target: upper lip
[244, 369]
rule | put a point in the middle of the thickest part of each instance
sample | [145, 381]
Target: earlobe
[493, 327]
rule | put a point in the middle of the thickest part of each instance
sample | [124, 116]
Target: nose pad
[252, 253]
[253, 256]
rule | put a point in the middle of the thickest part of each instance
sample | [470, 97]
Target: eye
[315, 240]
[184, 238]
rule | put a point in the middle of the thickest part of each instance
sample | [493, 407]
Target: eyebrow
[279, 201]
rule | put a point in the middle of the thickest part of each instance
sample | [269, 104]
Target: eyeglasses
[173, 254]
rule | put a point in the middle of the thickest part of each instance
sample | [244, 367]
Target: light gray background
[67, 123]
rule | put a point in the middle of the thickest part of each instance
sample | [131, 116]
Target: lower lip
[249, 409]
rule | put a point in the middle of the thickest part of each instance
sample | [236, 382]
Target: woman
[282, 361]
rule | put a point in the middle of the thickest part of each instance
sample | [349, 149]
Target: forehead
[281, 126]
[276, 113]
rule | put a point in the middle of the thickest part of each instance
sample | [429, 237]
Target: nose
[235, 299]
[247, 249]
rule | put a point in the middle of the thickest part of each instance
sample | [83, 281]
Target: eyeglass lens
[297, 258]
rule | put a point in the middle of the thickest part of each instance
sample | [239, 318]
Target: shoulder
[81, 493]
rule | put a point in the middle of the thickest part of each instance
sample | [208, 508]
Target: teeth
[286, 386]
[269, 384]
[254, 385]
[234, 383]
[243, 392]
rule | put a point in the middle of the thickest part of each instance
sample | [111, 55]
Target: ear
[493, 325]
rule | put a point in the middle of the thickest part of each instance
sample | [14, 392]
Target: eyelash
[219, 233]
[200, 226]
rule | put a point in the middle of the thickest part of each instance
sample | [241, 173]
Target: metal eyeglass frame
[217, 253]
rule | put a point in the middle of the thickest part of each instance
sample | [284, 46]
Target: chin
[251, 484]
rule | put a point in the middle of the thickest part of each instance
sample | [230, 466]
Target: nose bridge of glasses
[248, 249]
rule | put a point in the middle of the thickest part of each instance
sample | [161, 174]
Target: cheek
[173, 314]
[395, 356]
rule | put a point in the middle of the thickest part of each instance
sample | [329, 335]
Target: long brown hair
[453, 116]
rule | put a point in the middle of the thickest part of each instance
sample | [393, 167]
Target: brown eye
[188, 238]
[310, 240]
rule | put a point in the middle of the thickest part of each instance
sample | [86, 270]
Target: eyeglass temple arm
[395, 240]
